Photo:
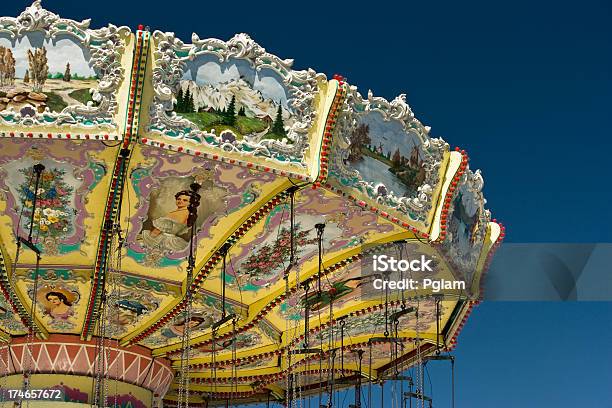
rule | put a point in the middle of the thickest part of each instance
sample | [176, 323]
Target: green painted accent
[55, 102]
[82, 95]
[64, 274]
[250, 287]
[64, 249]
[165, 262]
[248, 197]
[207, 121]
[359, 107]
[137, 176]
[99, 171]
[353, 242]
[274, 211]
[132, 281]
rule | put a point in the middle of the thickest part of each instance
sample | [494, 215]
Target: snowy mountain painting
[233, 100]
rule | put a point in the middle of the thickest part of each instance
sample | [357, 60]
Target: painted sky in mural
[234, 99]
[466, 231]
[383, 152]
[61, 76]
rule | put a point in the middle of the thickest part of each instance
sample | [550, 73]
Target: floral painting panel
[51, 211]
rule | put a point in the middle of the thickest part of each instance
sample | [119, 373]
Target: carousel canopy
[106, 137]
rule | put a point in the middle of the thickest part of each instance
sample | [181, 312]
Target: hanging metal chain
[30, 347]
[108, 308]
[287, 339]
[234, 367]
[183, 400]
[214, 359]
[97, 362]
[331, 355]
[420, 382]
[184, 382]
[113, 310]
[29, 356]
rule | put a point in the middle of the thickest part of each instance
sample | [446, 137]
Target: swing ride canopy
[124, 122]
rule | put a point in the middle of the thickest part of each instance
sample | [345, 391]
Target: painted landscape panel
[383, 152]
[39, 74]
[233, 100]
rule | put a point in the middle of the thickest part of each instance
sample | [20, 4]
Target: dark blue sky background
[525, 88]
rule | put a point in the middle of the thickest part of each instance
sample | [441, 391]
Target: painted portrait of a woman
[58, 306]
[170, 231]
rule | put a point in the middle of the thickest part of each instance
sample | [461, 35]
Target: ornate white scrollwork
[416, 206]
[171, 55]
[105, 46]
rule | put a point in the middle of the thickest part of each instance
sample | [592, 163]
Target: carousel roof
[124, 122]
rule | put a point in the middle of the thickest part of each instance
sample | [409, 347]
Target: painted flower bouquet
[264, 263]
[52, 213]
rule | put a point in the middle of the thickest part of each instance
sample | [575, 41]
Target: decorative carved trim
[355, 106]
[171, 53]
[105, 46]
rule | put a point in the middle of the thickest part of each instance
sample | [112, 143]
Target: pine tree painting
[67, 76]
[278, 128]
[180, 101]
[229, 116]
[186, 99]
[190, 105]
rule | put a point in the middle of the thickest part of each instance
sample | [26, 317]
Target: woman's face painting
[56, 301]
[182, 201]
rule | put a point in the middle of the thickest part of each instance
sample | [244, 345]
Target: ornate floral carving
[171, 55]
[105, 46]
[416, 207]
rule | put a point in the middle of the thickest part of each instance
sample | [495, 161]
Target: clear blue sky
[526, 88]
